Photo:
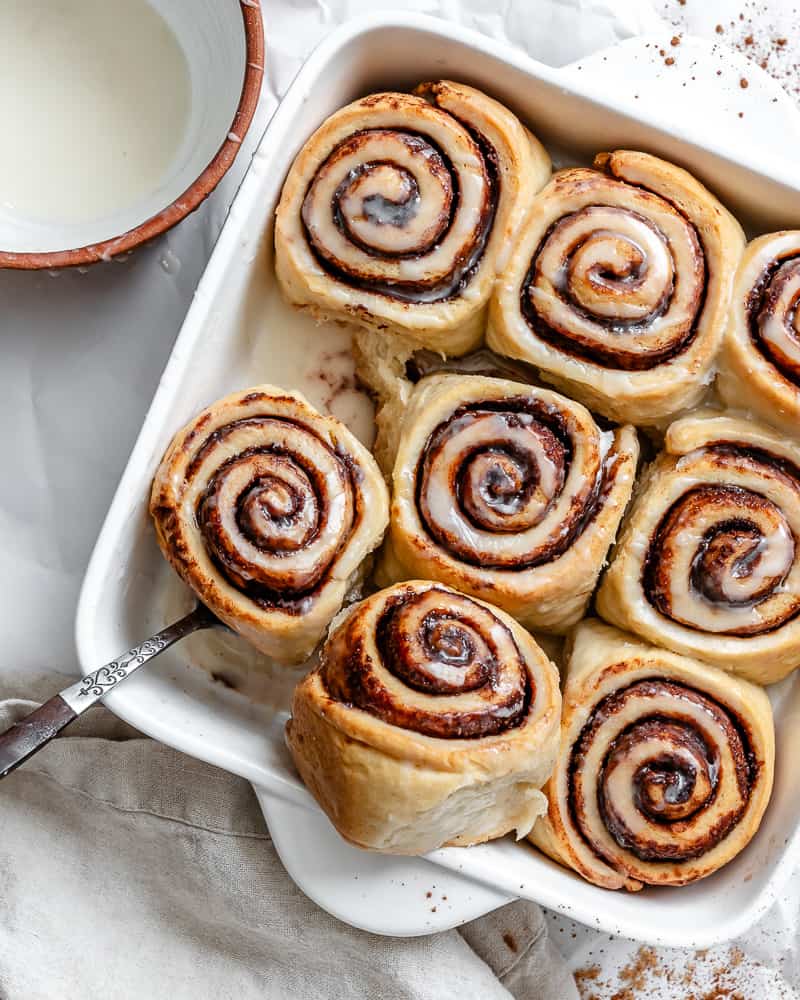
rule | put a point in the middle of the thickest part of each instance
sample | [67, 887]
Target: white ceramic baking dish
[239, 332]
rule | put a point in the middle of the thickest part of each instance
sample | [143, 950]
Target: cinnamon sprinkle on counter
[636, 972]
[765, 33]
[588, 975]
[721, 973]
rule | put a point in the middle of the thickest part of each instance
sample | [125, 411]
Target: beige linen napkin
[128, 870]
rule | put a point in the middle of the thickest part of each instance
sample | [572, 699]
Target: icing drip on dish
[392, 211]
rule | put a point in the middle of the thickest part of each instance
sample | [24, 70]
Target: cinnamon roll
[665, 765]
[708, 562]
[432, 719]
[619, 286]
[399, 210]
[507, 492]
[267, 510]
[760, 363]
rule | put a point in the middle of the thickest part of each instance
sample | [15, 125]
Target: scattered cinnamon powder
[720, 974]
[744, 83]
[635, 974]
[588, 975]
[737, 956]
[669, 61]
[753, 33]
[675, 40]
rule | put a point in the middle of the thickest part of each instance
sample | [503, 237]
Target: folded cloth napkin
[128, 870]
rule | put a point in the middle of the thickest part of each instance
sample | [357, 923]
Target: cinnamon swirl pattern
[432, 719]
[708, 561]
[760, 366]
[665, 765]
[619, 287]
[399, 209]
[508, 492]
[267, 510]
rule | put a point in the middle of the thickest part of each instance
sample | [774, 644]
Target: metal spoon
[30, 734]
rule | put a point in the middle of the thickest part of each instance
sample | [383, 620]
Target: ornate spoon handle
[30, 734]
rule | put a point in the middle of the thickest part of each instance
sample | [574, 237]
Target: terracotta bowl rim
[195, 194]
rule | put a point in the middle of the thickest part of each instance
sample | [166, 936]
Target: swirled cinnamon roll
[760, 362]
[619, 287]
[665, 765]
[431, 720]
[708, 561]
[398, 212]
[267, 510]
[508, 492]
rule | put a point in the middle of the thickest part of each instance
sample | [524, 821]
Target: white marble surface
[82, 353]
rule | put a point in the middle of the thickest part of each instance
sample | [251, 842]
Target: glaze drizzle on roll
[507, 492]
[267, 510]
[708, 563]
[619, 286]
[665, 766]
[399, 210]
[760, 364]
[464, 673]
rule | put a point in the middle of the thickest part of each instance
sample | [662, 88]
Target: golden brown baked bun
[708, 562]
[665, 765]
[400, 209]
[508, 492]
[760, 363]
[267, 510]
[619, 286]
[432, 719]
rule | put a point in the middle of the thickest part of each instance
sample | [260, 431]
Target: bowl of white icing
[118, 118]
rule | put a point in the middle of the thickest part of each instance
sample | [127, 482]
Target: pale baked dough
[625, 271]
[708, 561]
[760, 362]
[391, 198]
[541, 491]
[360, 734]
[669, 788]
[311, 495]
